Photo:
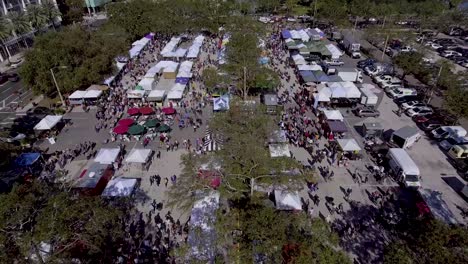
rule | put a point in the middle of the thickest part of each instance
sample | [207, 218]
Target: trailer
[350, 75]
[351, 45]
[368, 97]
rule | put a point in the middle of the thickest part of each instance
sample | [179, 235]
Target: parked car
[453, 140]
[13, 77]
[449, 53]
[366, 112]
[405, 99]
[429, 125]
[424, 110]
[389, 86]
[334, 62]
[3, 78]
[407, 49]
[412, 104]
[365, 63]
[371, 70]
[16, 64]
[433, 45]
[400, 92]
[379, 79]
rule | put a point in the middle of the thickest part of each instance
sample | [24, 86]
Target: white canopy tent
[135, 94]
[298, 59]
[344, 90]
[147, 84]
[194, 50]
[295, 34]
[185, 69]
[351, 90]
[333, 115]
[92, 94]
[156, 95]
[168, 50]
[304, 36]
[107, 155]
[120, 187]
[335, 52]
[286, 200]
[176, 92]
[48, 122]
[138, 156]
[77, 95]
[307, 67]
[348, 144]
[137, 47]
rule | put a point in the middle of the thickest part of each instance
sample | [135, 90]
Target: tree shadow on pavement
[361, 234]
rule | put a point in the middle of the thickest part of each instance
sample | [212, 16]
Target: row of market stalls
[139, 45]
[332, 92]
[172, 49]
[89, 96]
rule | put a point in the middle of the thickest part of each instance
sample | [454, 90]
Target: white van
[400, 92]
[444, 132]
[451, 141]
[403, 167]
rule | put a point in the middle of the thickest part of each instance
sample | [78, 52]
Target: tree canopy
[74, 227]
[83, 58]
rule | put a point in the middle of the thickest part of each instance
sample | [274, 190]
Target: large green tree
[74, 227]
[87, 58]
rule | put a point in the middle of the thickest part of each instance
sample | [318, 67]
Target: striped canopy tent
[212, 142]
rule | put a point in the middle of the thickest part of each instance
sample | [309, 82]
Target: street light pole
[433, 87]
[56, 86]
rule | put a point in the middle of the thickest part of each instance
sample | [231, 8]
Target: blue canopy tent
[27, 159]
[286, 34]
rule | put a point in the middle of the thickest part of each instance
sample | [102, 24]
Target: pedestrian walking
[166, 181]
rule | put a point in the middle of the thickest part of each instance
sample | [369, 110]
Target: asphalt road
[12, 94]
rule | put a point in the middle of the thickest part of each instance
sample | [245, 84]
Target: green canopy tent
[164, 128]
[136, 130]
[152, 123]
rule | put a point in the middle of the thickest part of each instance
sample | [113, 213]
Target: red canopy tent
[168, 110]
[146, 110]
[126, 122]
[133, 111]
[213, 176]
[120, 129]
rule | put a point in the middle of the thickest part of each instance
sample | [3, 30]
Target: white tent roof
[119, 187]
[286, 200]
[175, 95]
[170, 47]
[295, 34]
[351, 90]
[107, 155]
[138, 155]
[336, 53]
[333, 115]
[146, 83]
[306, 67]
[279, 150]
[92, 94]
[77, 94]
[135, 93]
[304, 36]
[194, 50]
[348, 144]
[157, 94]
[185, 69]
[298, 59]
[171, 67]
[321, 97]
[48, 122]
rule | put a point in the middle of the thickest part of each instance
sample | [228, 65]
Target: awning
[138, 156]
[337, 126]
[107, 155]
[48, 122]
[348, 144]
[333, 115]
[119, 187]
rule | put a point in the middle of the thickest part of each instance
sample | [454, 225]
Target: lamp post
[55, 81]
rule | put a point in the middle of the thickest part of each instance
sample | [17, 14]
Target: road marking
[6, 123]
[4, 91]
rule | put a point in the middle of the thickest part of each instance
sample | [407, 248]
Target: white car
[428, 60]
[389, 81]
[407, 49]
[419, 111]
[450, 53]
[371, 71]
[378, 79]
[389, 86]
[334, 62]
[412, 104]
[432, 45]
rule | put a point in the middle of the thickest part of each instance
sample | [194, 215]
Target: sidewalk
[30, 105]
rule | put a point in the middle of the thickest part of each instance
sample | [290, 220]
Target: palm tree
[19, 24]
[50, 12]
[5, 33]
[36, 16]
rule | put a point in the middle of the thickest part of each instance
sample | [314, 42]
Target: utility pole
[436, 81]
[315, 12]
[385, 47]
[56, 86]
[245, 83]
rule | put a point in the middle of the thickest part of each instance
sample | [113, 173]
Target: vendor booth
[169, 72]
[372, 129]
[107, 155]
[333, 115]
[194, 50]
[350, 150]
[185, 70]
[171, 47]
[177, 92]
[94, 179]
[138, 156]
[156, 96]
[77, 97]
[405, 137]
[48, 122]
[337, 128]
[135, 94]
[147, 84]
[287, 200]
[120, 187]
